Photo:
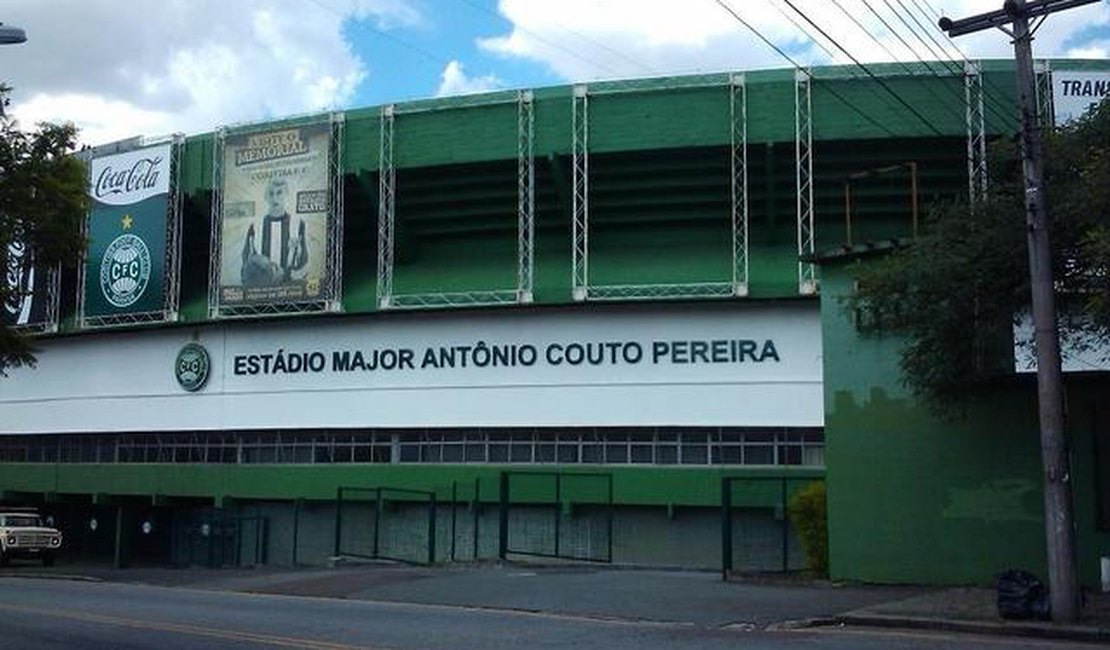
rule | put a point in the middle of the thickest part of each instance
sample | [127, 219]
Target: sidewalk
[973, 610]
[674, 597]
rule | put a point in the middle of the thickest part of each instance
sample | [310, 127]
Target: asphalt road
[48, 614]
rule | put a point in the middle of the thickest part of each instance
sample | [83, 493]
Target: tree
[955, 293]
[43, 201]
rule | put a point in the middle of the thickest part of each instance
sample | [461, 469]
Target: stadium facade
[600, 321]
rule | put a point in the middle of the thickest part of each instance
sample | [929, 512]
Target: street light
[11, 35]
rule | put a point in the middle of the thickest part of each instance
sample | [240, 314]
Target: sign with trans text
[1074, 93]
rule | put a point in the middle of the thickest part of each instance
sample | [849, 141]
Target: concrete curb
[995, 628]
[52, 576]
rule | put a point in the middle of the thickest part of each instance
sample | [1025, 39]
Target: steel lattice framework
[331, 294]
[171, 270]
[583, 289]
[803, 175]
[580, 176]
[387, 182]
[1046, 114]
[526, 197]
[526, 188]
[976, 133]
[49, 324]
[738, 116]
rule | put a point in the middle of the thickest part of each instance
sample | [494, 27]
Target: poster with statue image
[126, 263]
[274, 223]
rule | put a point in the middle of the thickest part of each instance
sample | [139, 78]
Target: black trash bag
[1021, 596]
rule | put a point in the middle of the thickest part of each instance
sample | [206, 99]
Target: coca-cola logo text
[143, 175]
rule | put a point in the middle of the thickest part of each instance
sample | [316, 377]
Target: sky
[122, 68]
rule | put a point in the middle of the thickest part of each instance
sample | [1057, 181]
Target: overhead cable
[867, 70]
[801, 69]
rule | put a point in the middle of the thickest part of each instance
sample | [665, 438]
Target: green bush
[809, 515]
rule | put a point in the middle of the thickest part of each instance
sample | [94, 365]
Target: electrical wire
[431, 56]
[799, 68]
[956, 73]
[867, 70]
[800, 28]
[991, 102]
[1007, 110]
[909, 71]
[557, 46]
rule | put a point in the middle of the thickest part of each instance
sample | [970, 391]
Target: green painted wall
[659, 187]
[683, 486]
[913, 498]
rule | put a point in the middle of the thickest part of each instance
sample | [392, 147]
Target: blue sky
[194, 65]
[409, 61]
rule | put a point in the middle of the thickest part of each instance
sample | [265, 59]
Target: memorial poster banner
[28, 294]
[126, 264]
[274, 225]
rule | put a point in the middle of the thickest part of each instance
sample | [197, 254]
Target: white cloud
[590, 39]
[455, 82]
[1091, 51]
[119, 69]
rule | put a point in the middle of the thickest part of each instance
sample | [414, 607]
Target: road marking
[1010, 641]
[196, 630]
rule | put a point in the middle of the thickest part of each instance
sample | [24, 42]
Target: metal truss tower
[803, 174]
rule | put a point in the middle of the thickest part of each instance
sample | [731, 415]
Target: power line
[905, 67]
[431, 56]
[803, 30]
[799, 68]
[817, 41]
[557, 46]
[1005, 109]
[999, 113]
[951, 71]
[867, 70]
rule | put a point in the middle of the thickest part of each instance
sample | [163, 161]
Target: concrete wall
[914, 497]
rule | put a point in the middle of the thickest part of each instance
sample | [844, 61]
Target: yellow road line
[181, 628]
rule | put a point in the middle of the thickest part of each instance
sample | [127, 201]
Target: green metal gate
[565, 515]
[756, 534]
[386, 523]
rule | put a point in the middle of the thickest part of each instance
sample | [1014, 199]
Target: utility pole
[1063, 578]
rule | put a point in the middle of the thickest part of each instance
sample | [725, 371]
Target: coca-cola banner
[125, 269]
[28, 298]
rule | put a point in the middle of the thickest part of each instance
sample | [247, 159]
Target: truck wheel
[48, 559]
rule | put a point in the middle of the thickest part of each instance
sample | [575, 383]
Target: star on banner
[126, 221]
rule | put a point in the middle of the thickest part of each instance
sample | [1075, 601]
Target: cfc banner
[125, 269]
[274, 225]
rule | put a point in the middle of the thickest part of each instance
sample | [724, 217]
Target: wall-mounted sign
[30, 297]
[191, 367]
[274, 225]
[126, 265]
[1073, 93]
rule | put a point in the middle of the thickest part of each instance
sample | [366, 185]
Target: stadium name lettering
[143, 175]
[271, 146]
[511, 355]
[1076, 88]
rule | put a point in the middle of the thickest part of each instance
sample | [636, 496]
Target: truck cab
[23, 534]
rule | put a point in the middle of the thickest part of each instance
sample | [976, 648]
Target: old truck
[23, 534]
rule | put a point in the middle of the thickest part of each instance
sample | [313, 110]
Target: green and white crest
[191, 367]
[125, 270]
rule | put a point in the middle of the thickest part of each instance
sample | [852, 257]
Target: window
[585, 445]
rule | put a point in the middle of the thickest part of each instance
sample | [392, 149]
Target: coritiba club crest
[125, 268]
